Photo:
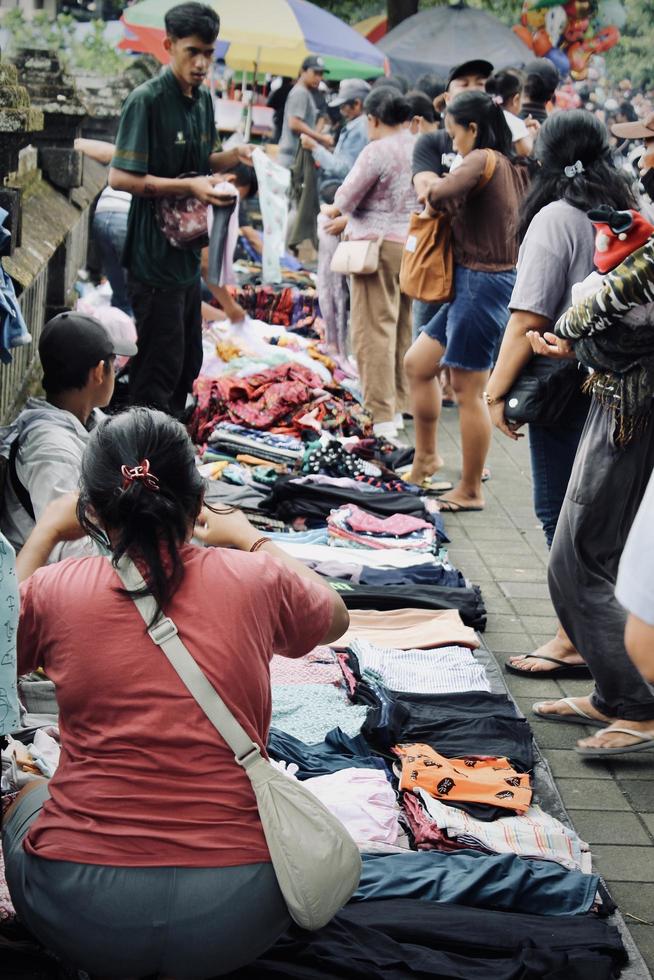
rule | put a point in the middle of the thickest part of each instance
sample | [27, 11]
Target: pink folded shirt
[360, 520]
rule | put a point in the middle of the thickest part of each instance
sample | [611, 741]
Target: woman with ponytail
[574, 176]
[482, 196]
[145, 854]
[378, 197]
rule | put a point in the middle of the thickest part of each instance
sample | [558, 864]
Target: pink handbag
[183, 220]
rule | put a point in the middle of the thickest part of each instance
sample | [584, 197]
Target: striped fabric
[445, 670]
[534, 834]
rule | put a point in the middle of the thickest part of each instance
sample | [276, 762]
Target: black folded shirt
[468, 601]
[397, 939]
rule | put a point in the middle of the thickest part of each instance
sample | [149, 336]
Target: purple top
[378, 192]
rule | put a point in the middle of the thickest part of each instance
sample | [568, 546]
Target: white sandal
[580, 717]
[645, 742]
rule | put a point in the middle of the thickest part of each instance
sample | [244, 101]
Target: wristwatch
[491, 401]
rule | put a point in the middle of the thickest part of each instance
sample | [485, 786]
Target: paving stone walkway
[611, 805]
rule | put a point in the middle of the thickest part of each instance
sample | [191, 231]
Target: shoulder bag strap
[19, 489]
[165, 635]
[489, 170]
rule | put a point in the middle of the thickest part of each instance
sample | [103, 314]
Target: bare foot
[459, 499]
[560, 707]
[424, 467]
[559, 648]
[608, 739]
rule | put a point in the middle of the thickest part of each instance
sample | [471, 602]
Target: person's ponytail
[140, 489]
[492, 130]
[388, 105]
[503, 85]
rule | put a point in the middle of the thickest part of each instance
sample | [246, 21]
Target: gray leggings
[606, 487]
[118, 922]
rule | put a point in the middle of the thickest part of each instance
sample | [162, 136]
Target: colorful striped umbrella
[274, 35]
[373, 28]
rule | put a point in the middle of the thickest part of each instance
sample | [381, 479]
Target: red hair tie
[140, 472]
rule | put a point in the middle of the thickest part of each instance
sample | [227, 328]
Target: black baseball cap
[316, 62]
[74, 341]
[477, 66]
[545, 70]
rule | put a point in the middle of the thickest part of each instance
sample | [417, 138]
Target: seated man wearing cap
[336, 164]
[44, 445]
[301, 111]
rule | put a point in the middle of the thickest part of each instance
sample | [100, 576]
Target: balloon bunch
[570, 34]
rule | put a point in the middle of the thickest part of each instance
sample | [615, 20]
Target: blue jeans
[553, 450]
[110, 229]
[470, 328]
[423, 312]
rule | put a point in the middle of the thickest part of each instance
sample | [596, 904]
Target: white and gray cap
[349, 90]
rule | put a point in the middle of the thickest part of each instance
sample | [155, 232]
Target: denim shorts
[470, 328]
[112, 921]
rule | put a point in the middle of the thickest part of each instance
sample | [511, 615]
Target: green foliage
[632, 57]
[93, 53]
[352, 11]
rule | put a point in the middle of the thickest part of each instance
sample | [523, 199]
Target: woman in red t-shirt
[145, 853]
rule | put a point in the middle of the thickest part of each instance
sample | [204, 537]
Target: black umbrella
[437, 39]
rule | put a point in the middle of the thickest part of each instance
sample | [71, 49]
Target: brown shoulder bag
[427, 270]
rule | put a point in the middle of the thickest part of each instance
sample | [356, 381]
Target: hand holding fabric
[549, 345]
[308, 142]
[204, 190]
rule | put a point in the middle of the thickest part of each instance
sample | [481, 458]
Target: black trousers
[169, 330]
[606, 487]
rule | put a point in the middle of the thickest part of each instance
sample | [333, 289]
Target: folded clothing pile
[259, 400]
[433, 671]
[360, 528]
[408, 629]
[474, 779]
[290, 499]
[404, 937]
[365, 803]
[232, 440]
[428, 598]
[533, 834]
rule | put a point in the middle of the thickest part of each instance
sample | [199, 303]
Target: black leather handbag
[543, 392]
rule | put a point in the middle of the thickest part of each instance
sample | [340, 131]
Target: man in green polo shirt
[167, 129]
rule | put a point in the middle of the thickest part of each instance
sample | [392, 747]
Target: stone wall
[50, 189]
[55, 235]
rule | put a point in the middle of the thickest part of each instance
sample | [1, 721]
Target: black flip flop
[563, 670]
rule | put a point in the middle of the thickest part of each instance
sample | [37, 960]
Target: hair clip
[497, 99]
[140, 472]
[574, 169]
